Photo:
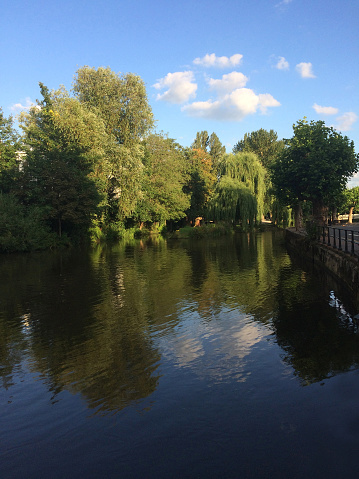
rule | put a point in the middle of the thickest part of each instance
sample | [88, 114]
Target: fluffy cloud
[233, 106]
[220, 62]
[282, 64]
[228, 83]
[345, 121]
[180, 87]
[19, 106]
[305, 70]
[325, 110]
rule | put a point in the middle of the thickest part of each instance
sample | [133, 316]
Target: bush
[23, 228]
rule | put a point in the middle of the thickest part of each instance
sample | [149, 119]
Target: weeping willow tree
[240, 192]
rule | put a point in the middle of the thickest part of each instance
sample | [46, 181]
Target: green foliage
[314, 166]
[201, 184]
[163, 179]
[120, 100]
[263, 143]
[9, 142]
[23, 228]
[59, 157]
[240, 192]
[205, 231]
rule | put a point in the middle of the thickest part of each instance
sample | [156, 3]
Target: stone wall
[343, 266]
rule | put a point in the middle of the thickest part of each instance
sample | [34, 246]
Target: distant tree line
[89, 165]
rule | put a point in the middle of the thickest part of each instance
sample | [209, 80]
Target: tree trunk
[320, 213]
[350, 217]
[335, 215]
[298, 216]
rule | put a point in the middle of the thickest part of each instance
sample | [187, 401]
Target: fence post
[346, 240]
[352, 243]
[334, 241]
[339, 239]
[328, 236]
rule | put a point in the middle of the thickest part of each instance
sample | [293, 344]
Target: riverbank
[342, 266]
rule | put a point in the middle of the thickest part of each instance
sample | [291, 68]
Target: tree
[202, 180]
[121, 102]
[240, 192]
[315, 165]
[216, 150]
[9, 142]
[164, 177]
[62, 144]
[351, 201]
[201, 141]
[263, 143]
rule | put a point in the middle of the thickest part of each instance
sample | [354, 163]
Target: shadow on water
[91, 322]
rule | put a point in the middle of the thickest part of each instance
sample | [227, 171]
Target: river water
[176, 359]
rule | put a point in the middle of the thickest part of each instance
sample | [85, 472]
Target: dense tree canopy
[315, 165]
[59, 153]
[162, 197]
[9, 142]
[240, 192]
[263, 143]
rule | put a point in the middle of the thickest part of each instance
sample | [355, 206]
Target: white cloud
[19, 106]
[282, 64]
[283, 2]
[180, 87]
[325, 110]
[228, 83]
[211, 60]
[345, 121]
[305, 70]
[233, 106]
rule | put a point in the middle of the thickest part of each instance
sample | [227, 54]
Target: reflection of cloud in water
[218, 349]
[187, 349]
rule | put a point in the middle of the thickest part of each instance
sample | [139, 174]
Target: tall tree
[314, 166]
[202, 180]
[121, 101]
[240, 192]
[163, 197]
[9, 142]
[216, 150]
[263, 143]
[62, 141]
[201, 142]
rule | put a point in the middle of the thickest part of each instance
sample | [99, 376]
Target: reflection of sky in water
[217, 349]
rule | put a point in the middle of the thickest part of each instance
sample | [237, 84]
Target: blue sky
[225, 66]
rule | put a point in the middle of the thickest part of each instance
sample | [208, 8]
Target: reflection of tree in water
[318, 339]
[76, 336]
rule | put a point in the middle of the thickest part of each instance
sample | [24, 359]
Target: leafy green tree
[202, 180]
[9, 142]
[201, 142]
[216, 150]
[163, 197]
[240, 192]
[351, 201]
[121, 102]
[60, 145]
[22, 228]
[314, 166]
[263, 143]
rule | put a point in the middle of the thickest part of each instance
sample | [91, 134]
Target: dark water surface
[210, 359]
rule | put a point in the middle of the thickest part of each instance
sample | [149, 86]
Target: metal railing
[346, 240]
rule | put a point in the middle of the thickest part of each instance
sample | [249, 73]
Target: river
[220, 358]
